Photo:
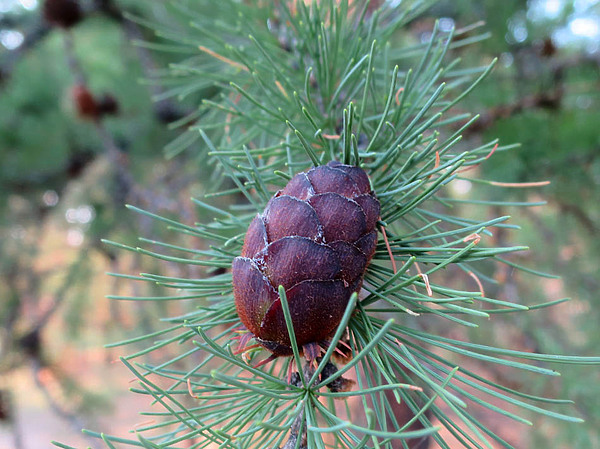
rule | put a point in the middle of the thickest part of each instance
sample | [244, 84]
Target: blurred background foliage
[64, 180]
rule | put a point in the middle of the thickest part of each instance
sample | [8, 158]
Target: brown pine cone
[315, 238]
[62, 13]
[85, 103]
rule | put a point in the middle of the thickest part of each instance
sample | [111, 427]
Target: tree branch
[549, 99]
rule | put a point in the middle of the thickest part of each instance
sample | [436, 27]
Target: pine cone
[84, 101]
[315, 238]
[62, 13]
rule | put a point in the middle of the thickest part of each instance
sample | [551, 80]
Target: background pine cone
[85, 103]
[62, 13]
[315, 238]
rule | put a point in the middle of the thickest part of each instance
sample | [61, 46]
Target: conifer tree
[297, 85]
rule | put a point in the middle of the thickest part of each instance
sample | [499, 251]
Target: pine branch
[298, 86]
[297, 438]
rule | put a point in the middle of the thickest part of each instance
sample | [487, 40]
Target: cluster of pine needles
[298, 85]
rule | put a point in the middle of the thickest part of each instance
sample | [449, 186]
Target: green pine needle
[297, 88]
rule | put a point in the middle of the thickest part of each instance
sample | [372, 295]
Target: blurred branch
[71, 418]
[32, 36]
[127, 187]
[544, 100]
[72, 169]
[10, 280]
[117, 158]
[579, 60]
[29, 342]
[549, 99]
[72, 61]
[7, 416]
[25, 284]
[127, 190]
[165, 110]
[60, 294]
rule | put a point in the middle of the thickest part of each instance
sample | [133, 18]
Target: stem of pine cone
[337, 385]
[292, 441]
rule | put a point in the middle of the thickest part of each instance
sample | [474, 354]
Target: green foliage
[296, 88]
[36, 142]
[559, 143]
[53, 164]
